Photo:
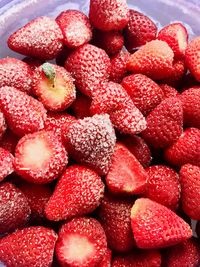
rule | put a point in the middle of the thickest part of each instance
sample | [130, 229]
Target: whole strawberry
[168, 90]
[106, 261]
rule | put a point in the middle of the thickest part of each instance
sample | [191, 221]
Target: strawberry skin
[169, 91]
[23, 113]
[41, 38]
[6, 163]
[33, 246]
[3, 125]
[81, 106]
[78, 192]
[106, 261]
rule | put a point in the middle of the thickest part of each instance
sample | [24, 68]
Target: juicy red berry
[168, 90]
[3, 125]
[9, 141]
[81, 106]
[106, 261]
[6, 163]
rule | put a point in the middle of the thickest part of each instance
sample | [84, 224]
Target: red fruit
[168, 90]
[89, 65]
[144, 92]
[33, 246]
[106, 261]
[9, 141]
[185, 150]
[164, 123]
[163, 186]
[3, 125]
[23, 113]
[126, 175]
[154, 59]
[6, 163]
[81, 106]
[78, 192]
[16, 73]
[114, 216]
[14, 208]
[139, 31]
[176, 36]
[91, 142]
[75, 27]
[54, 87]
[41, 38]
[156, 226]
[108, 15]
[33, 62]
[40, 157]
[81, 242]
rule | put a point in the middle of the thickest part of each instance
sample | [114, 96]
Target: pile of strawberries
[100, 154]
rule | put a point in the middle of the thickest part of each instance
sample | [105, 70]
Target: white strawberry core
[181, 40]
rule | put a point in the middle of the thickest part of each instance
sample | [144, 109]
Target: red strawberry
[23, 113]
[168, 90]
[126, 175]
[14, 208]
[144, 92]
[154, 59]
[106, 261]
[185, 150]
[163, 186]
[114, 216]
[176, 36]
[40, 157]
[9, 141]
[78, 192]
[109, 15]
[54, 86]
[156, 226]
[75, 27]
[89, 65]
[33, 62]
[16, 73]
[91, 141]
[33, 246]
[3, 125]
[81, 242]
[81, 106]
[139, 31]
[6, 163]
[41, 38]
[164, 123]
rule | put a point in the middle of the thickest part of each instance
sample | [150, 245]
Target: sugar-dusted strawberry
[156, 226]
[40, 157]
[106, 261]
[16, 73]
[81, 106]
[75, 27]
[109, 15]
[185, 150]
[33, 62]
[41, 38]
[78, 192]
[89, 65]
[3, 125]
[81, 242]
[114, 216]
[168, 90]
[154, 59]
[144, 92]
[32, 246]
[9, 141]
[139, 31]
[6, 163]
[185, 254]
[164, 123]
[163, 186]
[23, 113]
[91, 142]
[126, 175]
[14, 208]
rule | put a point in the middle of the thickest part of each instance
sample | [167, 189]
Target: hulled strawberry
[106, 261]
[6, 163]
[81, 106]
[168, 90]
[9, 141]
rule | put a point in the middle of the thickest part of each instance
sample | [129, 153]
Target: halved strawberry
[9, 141]
[156, 226]
[40, 157]
[81, 106]
[168, 90]
[81, 242]
[106, 261]
[126, 175]
[6, 163]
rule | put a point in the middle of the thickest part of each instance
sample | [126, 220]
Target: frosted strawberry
[9, 141]
[168, 90]
[6, 163]
[81, 106]
[106, 261]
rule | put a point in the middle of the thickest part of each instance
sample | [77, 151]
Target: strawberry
[81, 242]
[185, 149]
[163, 186]
[14, 208]
[176, 36]
[3, 125]
[156, 226]
[33, 62]
[54, 87]
[20, 79]
[6, 163]
[23, 113]
[40, 157]
[144, 92]
[139, 31]
[9, 141]
[75, 27]
[164, 123]
[154, 59]
[81, 106]
[41, 38]
[78, 192]
[88, 65]
[33, 246]
[168, 90]
[106, 261]
[108, 15]
[114, 216]
[126, 175]
[91, 141]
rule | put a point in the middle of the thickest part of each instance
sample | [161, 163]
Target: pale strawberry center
[181, 40]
